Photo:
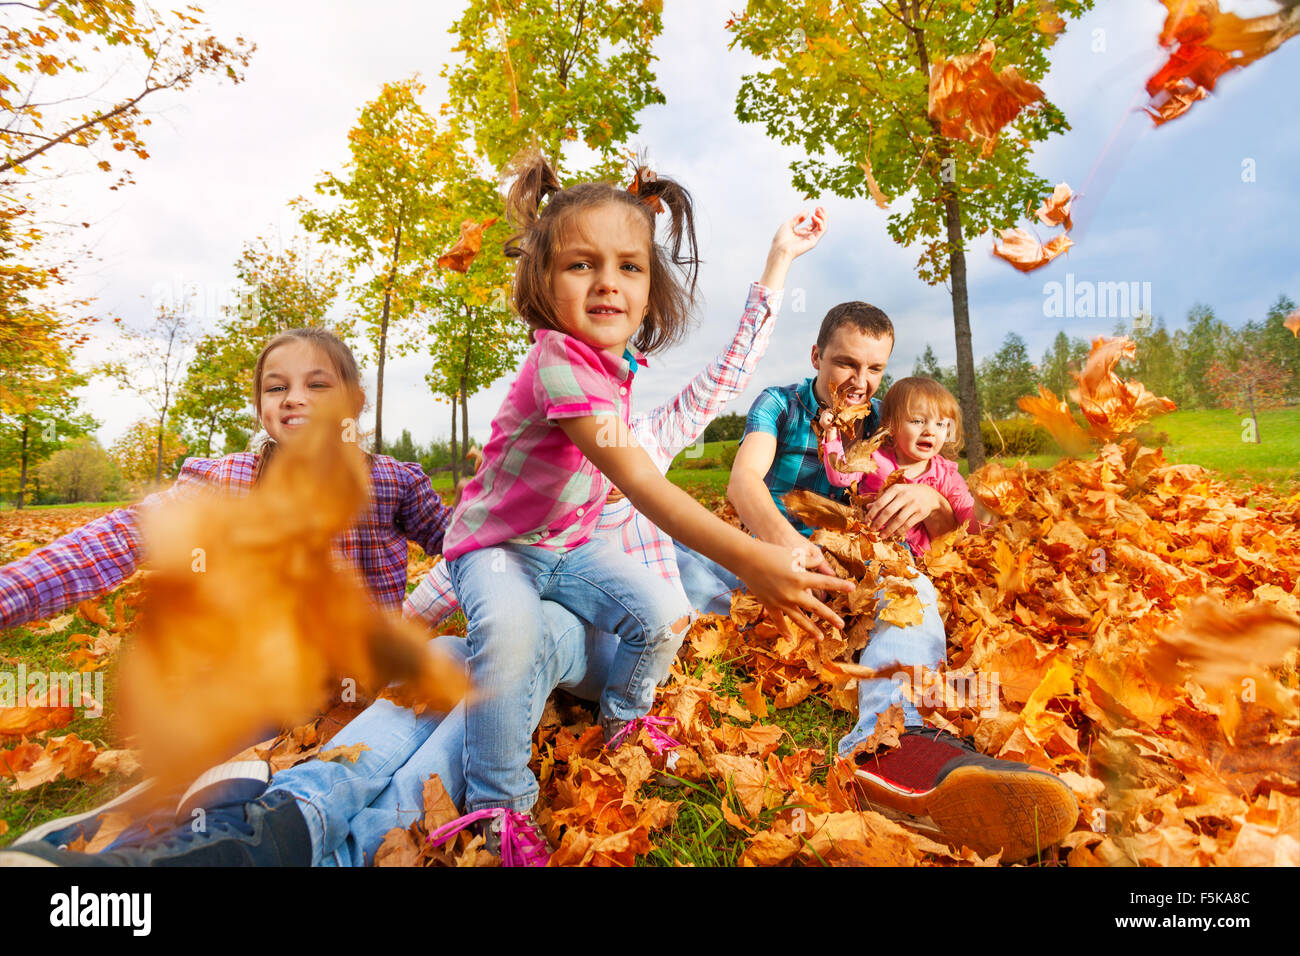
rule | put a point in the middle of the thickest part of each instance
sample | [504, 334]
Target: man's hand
[901, 507]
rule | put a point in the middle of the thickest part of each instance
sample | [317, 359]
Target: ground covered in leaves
[1127, 624]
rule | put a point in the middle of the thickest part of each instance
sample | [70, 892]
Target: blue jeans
[501, 590]
[707, 583]
[350, 807]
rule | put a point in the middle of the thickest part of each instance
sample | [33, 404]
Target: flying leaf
[206, 675]
[467, 246]
[971, 102]
[1023, 250]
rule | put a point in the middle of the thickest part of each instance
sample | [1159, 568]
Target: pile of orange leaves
[1127, 624]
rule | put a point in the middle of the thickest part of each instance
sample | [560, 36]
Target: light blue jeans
[710, 584]
[501, 590]
[350, 807]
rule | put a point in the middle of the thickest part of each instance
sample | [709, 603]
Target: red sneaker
[942, 784]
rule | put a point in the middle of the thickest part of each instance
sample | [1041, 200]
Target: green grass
[1208, 437]
[107, 505]
[24, 809]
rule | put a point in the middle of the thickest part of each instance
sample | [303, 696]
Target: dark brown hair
[920, 394]
[867, 319]
[542, 227]
[335, 349]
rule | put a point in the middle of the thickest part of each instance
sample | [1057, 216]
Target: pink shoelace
[659, 740]
[521, 844]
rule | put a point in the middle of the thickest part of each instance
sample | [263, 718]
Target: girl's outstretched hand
[800, 233]
[777, 576]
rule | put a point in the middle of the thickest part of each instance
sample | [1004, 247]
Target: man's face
[851, 356]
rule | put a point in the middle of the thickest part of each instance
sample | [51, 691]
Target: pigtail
[660, 194]
[672, 298]
[532, 182]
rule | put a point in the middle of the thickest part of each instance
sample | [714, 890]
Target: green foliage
[80, 472]
[540, 73]
[1016, 437]
[1066, 355]
[728, 427]
[285, 288]
[849, 83]
[389, 214]
[1006, 376]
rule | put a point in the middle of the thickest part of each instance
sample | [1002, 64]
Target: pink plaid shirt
[100, 555]
[663, 433]
[535, 487]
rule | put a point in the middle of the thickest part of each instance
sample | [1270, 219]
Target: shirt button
[580, 512]
[623, 390]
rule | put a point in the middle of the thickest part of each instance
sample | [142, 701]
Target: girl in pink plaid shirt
[594, 285]
[293, 369]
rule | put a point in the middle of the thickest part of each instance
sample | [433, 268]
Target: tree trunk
[22, 474]
[455, 456]
[379, 388]
[969, 397]
[383, 344]
[157, 471]
[464, 381]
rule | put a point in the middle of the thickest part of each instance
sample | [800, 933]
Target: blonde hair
[339, 355]
[919, 394]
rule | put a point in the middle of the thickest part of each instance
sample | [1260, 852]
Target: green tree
[1277, 340]
[1157, 365]
[282, 288]
[386, 218]
[849, 85]
[1066, 355]
[728, 427]
[41, 414]
[1206, 341]
[928, 365]
[152, 367]
[82, 471]
[1006, 376]
[136, 454]
[541, 73]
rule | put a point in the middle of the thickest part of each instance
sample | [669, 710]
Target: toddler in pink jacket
[922, 419]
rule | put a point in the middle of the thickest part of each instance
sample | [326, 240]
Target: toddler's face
[294, 377]
[600, 277]
[922, 435]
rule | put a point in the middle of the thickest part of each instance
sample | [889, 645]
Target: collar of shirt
[620, 368]
[807, 394]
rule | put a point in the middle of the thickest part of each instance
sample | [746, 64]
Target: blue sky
[1202, 208]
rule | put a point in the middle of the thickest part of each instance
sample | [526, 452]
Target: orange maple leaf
[467, 246]
[971, 102]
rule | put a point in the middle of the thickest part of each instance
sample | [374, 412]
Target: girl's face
[600, 277]
[294, 376]
[922, 434]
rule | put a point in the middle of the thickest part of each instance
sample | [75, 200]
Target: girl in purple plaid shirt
[594, 285]
[294, 368]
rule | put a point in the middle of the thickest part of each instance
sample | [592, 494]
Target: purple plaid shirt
[663, 433]
[99, 556]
